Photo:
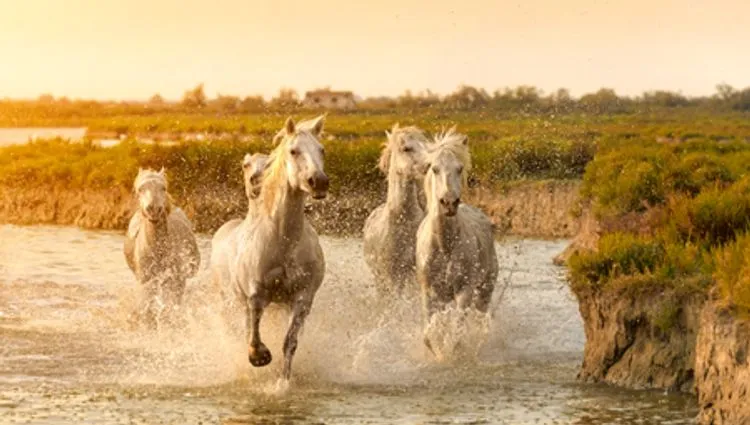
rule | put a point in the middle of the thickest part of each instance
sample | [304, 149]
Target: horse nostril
[311, 182]
[456, 202]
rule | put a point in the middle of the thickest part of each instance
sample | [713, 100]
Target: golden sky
[131, 49]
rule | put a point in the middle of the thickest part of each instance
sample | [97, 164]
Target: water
[68, 353]
[21, 135]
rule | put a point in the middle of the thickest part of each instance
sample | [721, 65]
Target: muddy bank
[722, 366]
[640, 339]
[532, 209]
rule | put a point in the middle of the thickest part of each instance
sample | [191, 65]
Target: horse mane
[146, 175]
[391, 143]
[455, 143]
[274, 174]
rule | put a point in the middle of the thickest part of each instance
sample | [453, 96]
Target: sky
[132, 49]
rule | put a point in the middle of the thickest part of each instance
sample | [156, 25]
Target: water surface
[69, 353]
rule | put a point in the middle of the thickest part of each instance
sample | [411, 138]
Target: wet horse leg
[300, 310]
[258, 354]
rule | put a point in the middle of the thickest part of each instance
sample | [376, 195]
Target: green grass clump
[732, 274]
[670, 208]
[618, 254]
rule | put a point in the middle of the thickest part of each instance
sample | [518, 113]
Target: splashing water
[70, 352]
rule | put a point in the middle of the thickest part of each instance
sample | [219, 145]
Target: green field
[671, 187]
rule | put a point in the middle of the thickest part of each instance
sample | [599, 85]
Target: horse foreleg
[258, 354]
[300, 310]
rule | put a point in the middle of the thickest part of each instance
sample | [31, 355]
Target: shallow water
[21, 135]
[69, 353]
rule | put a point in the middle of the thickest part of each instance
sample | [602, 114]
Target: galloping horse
[456, 259]
[390, 232]
[274, 255]
[160, 246]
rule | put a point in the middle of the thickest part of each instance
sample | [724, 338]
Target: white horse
[456, 261]
[160, 247]
[274, 255]
[390, 232]
[224, 242]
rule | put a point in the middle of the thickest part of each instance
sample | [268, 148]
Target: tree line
[524, 99]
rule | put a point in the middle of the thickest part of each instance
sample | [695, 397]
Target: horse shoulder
[374, 223]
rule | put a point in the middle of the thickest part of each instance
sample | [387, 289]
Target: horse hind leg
[258, 354]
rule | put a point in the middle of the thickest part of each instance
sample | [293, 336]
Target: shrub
[732, 273]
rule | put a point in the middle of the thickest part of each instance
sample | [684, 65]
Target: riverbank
[528, 209]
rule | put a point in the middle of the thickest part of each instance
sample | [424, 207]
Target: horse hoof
[259, 356]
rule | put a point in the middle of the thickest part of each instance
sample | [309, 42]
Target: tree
[725, 91]
[156, 100]
[603, 101]
[195, 98]
[227, 104]
[46, 98]
[252, 104]
[287, 98]
[468, 97]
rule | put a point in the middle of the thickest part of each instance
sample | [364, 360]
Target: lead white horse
[390, 232]
[274, 255]
[456, 261]
[160, 247]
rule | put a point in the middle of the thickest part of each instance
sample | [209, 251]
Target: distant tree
[665, 99]
[252, 104]
[46, 98]
[156, 100]
[467, 97]
[561, 100]
[725, 91]
[604, 101]
[227, 104]
[287, 98]
[741, 101]
[195, 98]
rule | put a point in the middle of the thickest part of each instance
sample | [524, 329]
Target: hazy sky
[131, 49]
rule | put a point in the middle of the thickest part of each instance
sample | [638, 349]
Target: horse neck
[445, 229]
[402, 193]
[155, 232]
[288, 214]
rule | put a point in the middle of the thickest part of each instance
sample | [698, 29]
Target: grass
[675, 213]
[673, 186]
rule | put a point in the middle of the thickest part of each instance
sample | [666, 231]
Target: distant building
[329, 99]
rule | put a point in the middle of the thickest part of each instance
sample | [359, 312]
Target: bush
[618, 254]
[732, 273]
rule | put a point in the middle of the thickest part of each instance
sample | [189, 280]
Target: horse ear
[246, 160]
[465, 139]
[388, 135]
[289, 126]
[395, 128]
[162, 171]
[317, 127]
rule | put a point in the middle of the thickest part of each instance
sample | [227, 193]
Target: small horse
[224, 240]
[277, 256]
[456, 260]
[160, 247]
[390, 232]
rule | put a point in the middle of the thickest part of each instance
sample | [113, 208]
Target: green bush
[732, 274]
[617, 254]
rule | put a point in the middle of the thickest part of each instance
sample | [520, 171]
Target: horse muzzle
[450, 206]
[318, 185]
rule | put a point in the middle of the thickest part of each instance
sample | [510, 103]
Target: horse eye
[294, 152]
[460, 169]
[435, 170]
[322, 151]
[407, 149]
